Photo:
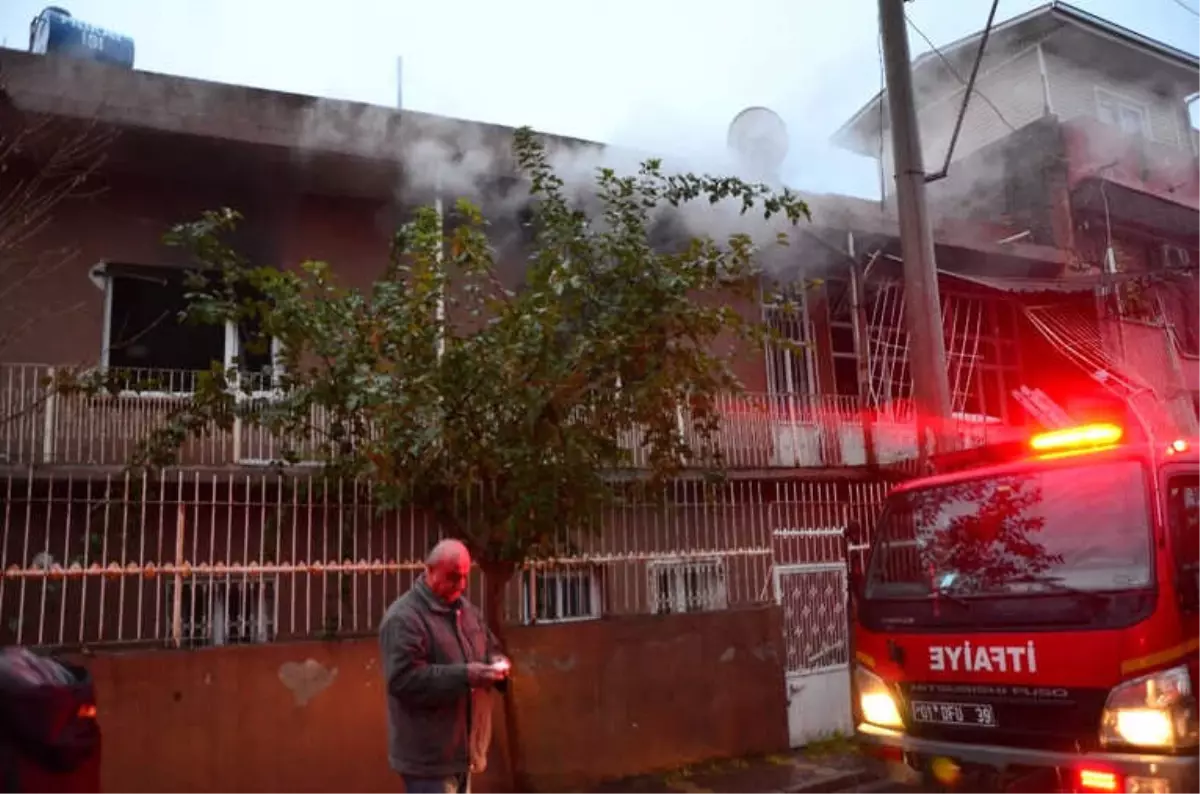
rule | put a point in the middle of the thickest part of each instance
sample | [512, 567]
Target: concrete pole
[927, 348]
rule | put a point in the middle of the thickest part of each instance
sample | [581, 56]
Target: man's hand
[480, 674]
[502, 664]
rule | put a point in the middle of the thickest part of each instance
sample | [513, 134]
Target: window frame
[1120, 102]
[559, 574]
[1187, 477]
[679, 567]
[230, 351]
[796, 371]
[201, 629]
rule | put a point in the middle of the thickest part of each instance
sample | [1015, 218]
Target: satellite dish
[758, 139]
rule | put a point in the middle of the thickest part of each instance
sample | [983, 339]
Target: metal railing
[40, 425]
[203, 559]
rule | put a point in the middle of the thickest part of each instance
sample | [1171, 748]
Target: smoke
[433, 155]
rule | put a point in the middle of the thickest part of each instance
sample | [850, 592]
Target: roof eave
[851, 137]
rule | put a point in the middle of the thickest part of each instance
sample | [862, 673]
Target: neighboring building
[225, 549]
[1078, 136]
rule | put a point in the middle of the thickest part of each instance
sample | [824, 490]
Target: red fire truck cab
[1032, 624]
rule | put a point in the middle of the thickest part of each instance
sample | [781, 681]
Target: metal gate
[809, 572]
[816, 645]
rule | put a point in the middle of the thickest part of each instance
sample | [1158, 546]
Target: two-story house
[1077, 134]
[225, 549]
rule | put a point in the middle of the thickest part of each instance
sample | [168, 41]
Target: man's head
[446, 570]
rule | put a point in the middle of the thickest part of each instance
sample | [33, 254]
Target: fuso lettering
[983, 658]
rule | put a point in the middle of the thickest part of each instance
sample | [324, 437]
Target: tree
[44, 162]
[498, 410]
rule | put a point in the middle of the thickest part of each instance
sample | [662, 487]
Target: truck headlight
[876, 701]
[1156, 710]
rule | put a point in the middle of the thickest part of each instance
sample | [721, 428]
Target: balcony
[759, 431]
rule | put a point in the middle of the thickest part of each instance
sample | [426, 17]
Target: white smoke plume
[467, 159]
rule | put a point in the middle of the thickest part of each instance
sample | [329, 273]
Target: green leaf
[437, 382]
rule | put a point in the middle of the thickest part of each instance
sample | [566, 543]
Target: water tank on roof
[55, 31]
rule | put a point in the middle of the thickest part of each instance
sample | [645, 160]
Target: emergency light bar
[1082, 437]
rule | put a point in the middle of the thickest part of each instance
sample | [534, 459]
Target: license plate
[980, 715]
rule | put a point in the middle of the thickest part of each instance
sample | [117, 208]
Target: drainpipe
[1047, 101]
[1186, 118]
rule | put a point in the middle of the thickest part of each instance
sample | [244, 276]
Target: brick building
[225, 550]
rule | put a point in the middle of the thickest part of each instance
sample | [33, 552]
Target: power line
[1187, 8]
[958, 76]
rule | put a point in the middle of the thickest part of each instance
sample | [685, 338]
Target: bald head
[447, 568]
[448, 549]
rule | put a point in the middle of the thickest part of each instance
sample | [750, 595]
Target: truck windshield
[1053, 530]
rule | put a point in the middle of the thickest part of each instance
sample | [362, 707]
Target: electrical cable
[1187, 7]
[958, 76]
[962, 109]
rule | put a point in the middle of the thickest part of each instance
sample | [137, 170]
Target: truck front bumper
[1130, 772]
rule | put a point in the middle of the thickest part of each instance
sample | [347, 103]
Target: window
[687, 586]
[146, 336]
[1128, 116]
[560, 596]
[1082, 527]
[1183, 512]
[790, 372]
[843, 349]
[222, 612]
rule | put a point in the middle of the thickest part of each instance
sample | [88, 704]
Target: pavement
[834, 766]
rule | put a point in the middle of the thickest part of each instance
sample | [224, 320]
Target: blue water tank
[55, 31]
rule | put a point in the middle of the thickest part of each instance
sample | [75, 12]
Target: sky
[660, 75]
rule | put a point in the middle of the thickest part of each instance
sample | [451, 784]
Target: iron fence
[39, 425]
[202, 559]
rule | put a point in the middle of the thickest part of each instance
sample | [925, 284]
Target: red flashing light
[1098, 780]
[1075, 438]
[1177, 446]
[87, 712]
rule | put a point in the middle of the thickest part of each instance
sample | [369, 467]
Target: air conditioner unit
[1176, 257]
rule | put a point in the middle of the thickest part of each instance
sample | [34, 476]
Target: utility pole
[927, 347]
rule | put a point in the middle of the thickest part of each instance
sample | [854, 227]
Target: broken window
[843, 350]
[151, 343]
[981, 354]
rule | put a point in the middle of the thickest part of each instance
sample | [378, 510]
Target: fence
[758, 431]
[198, 559]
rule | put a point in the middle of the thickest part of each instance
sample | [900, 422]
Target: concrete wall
[594, 700]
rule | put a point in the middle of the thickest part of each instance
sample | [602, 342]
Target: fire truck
[1031, 623]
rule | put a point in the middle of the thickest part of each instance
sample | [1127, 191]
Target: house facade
[1078, 136]
[226, 548]
[229, 550]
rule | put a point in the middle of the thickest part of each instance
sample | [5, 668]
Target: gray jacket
[437, 724]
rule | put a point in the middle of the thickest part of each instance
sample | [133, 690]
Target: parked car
[49, 736]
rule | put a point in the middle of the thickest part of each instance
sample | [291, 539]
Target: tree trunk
[496, 577]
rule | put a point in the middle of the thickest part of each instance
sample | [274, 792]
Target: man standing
[440, 665]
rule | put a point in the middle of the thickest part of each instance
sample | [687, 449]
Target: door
[816, 646]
